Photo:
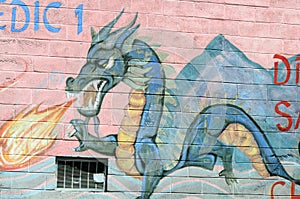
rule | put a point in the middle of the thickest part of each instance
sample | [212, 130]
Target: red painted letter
[298, 122]
[273, 186]
[282, 184]
[293, 192]
[287, 116]
[297, 69]
[287, 66]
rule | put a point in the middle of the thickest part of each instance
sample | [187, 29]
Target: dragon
[166, 129]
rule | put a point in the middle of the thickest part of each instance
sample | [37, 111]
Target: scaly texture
[237, 135]
[127, 133]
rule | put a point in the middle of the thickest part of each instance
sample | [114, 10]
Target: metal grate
[81, 173]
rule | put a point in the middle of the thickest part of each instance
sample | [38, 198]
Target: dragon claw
[79, 130]
[80, 133]
[72, 133]
[80, 148]
[229, 177]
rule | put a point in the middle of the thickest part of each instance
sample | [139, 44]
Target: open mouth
[89, 99]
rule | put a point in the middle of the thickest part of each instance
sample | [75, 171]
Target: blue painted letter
[78, 12]
[46, 22]
[14, 14]
[1, 13]
[36, 15]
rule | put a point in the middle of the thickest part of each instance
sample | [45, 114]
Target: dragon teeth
[69, 127]
[91, 104]
[97, 101]
[70, 95]
[97, 98]
[72, 133]
[98, 85]
[95, 84]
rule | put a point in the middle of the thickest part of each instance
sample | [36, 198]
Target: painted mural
[218, 126]
[157, 116]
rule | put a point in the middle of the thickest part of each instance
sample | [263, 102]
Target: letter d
[14, 14]
[287, 66]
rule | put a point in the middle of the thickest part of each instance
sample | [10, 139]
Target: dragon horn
[128, 26]
[126, 33]
[120, 35]
[93, 32]
[124, 36]
[103, 33]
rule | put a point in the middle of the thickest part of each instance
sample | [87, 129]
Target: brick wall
[234, 42]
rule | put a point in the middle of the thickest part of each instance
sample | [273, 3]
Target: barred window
[81, 173]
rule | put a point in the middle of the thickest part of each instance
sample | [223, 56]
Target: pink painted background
[259, 28]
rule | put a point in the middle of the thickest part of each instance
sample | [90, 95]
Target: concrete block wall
[246, 55]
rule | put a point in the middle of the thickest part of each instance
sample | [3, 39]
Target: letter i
[36, 15]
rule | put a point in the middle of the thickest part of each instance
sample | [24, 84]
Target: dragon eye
[109, 63]
[102, 63]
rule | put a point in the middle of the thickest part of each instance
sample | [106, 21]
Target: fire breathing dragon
[165, 129]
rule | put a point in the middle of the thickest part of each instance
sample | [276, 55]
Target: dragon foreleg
[81, 131]
[96, 125]
[104, 145]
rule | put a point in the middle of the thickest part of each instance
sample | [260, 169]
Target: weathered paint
[43, 43]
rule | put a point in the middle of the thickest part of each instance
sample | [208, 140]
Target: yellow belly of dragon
[125, 151]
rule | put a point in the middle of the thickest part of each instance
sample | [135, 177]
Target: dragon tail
[245, 134]
[237, 135]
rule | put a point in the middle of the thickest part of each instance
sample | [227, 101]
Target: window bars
[81, 173]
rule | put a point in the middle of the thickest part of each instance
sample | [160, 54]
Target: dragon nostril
[69, 81]
[69, 84]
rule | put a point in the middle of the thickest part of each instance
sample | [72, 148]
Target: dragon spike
[93, 32]
[104, 32]
[124, 30]
[128, 26]
[121, 30]
[116, 38]
[124, 36]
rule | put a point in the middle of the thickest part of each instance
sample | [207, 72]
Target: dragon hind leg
[226, 154]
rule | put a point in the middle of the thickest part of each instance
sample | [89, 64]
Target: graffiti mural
[166, 129]
[150, 103]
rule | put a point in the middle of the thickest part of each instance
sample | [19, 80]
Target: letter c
[46, 22]
[273, 186]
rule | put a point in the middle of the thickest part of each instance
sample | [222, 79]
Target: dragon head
[105, 66]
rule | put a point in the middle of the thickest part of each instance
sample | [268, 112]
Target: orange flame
[28, 135]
